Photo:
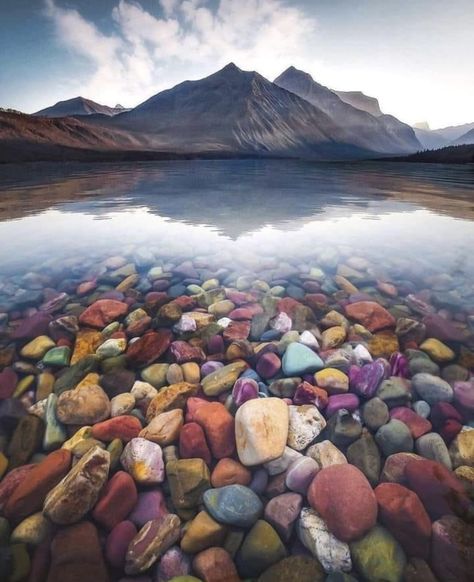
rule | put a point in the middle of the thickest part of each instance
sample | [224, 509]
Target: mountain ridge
[78, 106]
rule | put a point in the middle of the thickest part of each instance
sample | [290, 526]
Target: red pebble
[218, 424]
[192, 443]
[148, 348]
[192, 406]
[117, 543]
[402, 512]
[439, 490]
[186, 303]
[116, 501]
[123, 427]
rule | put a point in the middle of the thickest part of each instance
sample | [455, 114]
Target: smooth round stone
[122, 404]
[244, 389]
[32, 530]
[261, 548]
[117, 543]
[223, 379]
[375, 413]
[201, 533]
[332, 380]
[112, 347]
[191, 372]
[57, 357]
[439, 490]
[144, 461]
[464, 396]
[259, 481]
[417, 424]
[86, 404]
[174, 564]
[300, 474]
[369, 377]
[308, 339]
[432, 388]
[164, 429]
[300, 359]
[230, 472]
[284, 387]
[261, 430]
[432, 446]
[37, 348]
[365, 455]
[268, 365]
[422, 408]
[462, 448]
[282, 512]
[117, 499]
[301, 568]
[215, 564]
[343, 497]
[378, 556]
[150, 505]
[305, 424]
[155, 375]
[437, 351]
[280, 465]
[394, 437]
[403, 514]
[337, 402]
[332, 554]
[209, 367]
[452, 549]
[233, 505]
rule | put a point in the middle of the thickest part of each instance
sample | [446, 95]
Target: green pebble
[115, 449]
[59, 357]
[378, 556]
[55, 432]
[155, 375]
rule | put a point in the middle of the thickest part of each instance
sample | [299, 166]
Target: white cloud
[193, 38]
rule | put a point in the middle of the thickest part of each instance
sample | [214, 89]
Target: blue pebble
[270, 335]
[233, 505]
[299, 359]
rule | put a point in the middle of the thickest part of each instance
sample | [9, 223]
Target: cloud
[145, 53]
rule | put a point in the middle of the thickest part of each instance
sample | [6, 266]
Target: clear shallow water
[410, 221]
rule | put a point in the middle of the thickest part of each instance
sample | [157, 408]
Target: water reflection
[287, 210]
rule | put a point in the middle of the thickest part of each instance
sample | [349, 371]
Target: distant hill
[383, 134]
[240, 111]
[361, 101]
[78, 106]
[467, 138]
[453, 132]
[25, 137]
[430, 139]
[461, 154]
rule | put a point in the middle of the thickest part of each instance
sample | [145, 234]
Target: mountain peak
[230, 68]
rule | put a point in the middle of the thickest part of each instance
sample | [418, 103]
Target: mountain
[361, 101]
[430, 139]
[422, 125]
[239, 111]
[453, 132]
[384, 134]
[78, 106]
[26, 137]
[467, 138]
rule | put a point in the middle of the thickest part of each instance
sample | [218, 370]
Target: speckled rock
[333, 555]
[305, 424]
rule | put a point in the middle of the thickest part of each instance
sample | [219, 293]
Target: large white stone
[261, 430]
[313, 533]
[306, 422]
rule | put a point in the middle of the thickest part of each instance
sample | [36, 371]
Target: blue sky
[414, 55]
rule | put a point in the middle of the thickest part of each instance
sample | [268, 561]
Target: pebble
[207, 424]
[333, 554]
[79, 491]
[234, 505]
[144, 461]
[261, 430]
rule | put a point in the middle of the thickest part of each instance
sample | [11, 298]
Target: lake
[228, 334]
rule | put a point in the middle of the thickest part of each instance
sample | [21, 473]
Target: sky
[415, 56]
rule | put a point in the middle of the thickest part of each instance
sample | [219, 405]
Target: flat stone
[300, 359]
[234, 505]
[223, 379]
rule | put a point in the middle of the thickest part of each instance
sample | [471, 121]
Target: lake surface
[343, 290]
[407, 219]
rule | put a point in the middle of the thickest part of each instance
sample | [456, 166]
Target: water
[407, 219]
[254, 253]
